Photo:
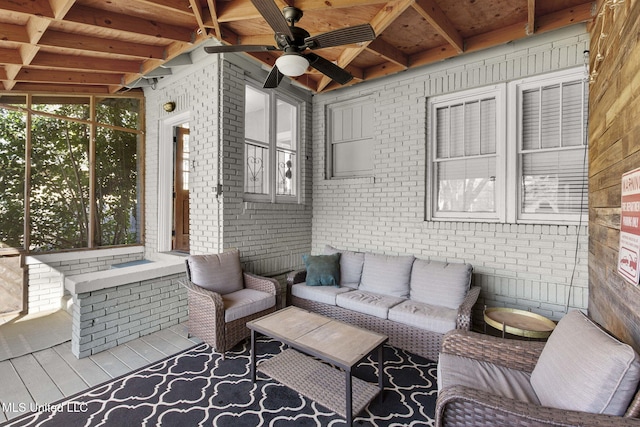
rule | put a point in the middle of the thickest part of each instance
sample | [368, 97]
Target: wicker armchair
[222, 299]
[462, 405]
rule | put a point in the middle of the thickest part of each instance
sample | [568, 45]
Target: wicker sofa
[413, 301]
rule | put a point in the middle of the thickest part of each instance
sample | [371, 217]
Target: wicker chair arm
[516, 354]
[464, 406]
[259, 283]
[206, 294]
[463, 321]
[296, 276]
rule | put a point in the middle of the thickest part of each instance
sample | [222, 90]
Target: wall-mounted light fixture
[169, 106]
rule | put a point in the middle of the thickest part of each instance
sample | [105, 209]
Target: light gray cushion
[367, 302]
[386, 274]
[430, 317]
[350, 266]
[485, 376]
[245, 302]
[440, 283]
[324, 294]
[220, 273]
[583, 368]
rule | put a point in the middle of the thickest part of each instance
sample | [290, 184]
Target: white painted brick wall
[106, 318]
[45, 273]
[517, 265]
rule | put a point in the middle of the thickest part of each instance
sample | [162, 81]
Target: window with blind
[552, 149]
[350, 135]
[467, 130]
[271, 144]
[513, 152]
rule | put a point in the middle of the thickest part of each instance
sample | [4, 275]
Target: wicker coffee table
[312, 336]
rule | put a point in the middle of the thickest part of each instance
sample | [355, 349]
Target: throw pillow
[322, 270]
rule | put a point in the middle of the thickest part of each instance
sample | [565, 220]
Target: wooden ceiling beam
[66, 77]
[215, 23]
[14, 33]
[531, 14]
[573, 15]
[430, 11]
[240, 10]
[95, 44]
[60, 88]
[32, 7]
[196, 8]
[171, 6]
[391, 53]
[120, 22]
[87, 63]
[389, 13]
[60, 7]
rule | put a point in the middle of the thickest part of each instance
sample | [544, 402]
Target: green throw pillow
[322, 270]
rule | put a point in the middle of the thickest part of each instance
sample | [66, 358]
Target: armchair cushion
[221, 273]
[322, 270]
[583, 368]
[246, 302]
[480, 375]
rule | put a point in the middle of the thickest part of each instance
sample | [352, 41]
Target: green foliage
[60, 201]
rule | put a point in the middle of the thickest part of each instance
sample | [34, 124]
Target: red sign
[630, 227]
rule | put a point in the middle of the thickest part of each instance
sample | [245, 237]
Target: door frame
[165, 180]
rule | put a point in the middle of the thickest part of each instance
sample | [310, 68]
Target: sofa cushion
[367, 302]
[221, 273]
[485, 376]
[583, 368]
[350, 266]
[431, 317]
[322, 270]
[440, 283]
[245, 302]
[386, 274]
[324, 294]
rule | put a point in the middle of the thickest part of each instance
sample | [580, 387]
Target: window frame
[330, 169]
[497, 91]
[271, 145]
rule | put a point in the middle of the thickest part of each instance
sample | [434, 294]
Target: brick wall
[517, 265]
[271, 237]
[109, 317]
[46, 272]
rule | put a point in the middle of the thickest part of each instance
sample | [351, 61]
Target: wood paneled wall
[614, 148]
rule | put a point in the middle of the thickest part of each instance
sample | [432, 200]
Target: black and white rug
[198, 388]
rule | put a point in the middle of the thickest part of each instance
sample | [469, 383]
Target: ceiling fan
[294, 41]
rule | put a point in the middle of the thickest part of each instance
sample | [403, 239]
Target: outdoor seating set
[581, 376]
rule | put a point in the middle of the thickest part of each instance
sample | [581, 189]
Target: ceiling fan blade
[238, 48]
[274, 17]
[273, 79]
[328, 68]
[356, 34]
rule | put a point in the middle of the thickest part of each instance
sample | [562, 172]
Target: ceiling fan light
[292, 64]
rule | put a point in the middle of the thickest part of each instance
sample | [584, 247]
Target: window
[511, 152]
[350, 139]
[552, 148]
[468, 135]
[271, 146]
[82, 177]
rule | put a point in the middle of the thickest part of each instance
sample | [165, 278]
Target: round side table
[518, 322]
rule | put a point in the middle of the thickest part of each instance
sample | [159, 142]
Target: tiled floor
[51, 374]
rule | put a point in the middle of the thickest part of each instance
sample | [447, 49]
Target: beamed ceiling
[100, 46]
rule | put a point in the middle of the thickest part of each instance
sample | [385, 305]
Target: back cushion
[583, 368]
[386, 274]
[220, 273]
[350, 266]
[440, 283]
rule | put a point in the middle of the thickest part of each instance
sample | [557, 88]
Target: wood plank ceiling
[101, 46]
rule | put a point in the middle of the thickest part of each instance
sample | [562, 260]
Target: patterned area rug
[197, 388]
